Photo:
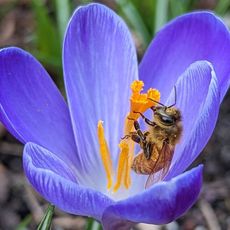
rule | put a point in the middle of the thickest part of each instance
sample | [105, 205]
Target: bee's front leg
[147, 121]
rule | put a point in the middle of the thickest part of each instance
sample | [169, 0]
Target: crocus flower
[62, 157]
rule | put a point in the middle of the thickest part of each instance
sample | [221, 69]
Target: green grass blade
[63, 15]
[93, 225]
[47, 219]
[177, 7]
[47, 40]
[24, 223]
[134, 18]
[161, 15]
[222, 6]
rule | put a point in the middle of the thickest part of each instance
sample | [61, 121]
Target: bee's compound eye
[167, 120]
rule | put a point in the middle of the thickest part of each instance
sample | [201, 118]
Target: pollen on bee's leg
[122, 165]
[105, 154]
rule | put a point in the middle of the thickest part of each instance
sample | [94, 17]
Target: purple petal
[161, 204]
[42, 158]
[31, 107]
[99, 65]
[51, 178]
[199, 118]
[189, 38]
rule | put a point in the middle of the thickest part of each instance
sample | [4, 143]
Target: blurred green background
[38, 26]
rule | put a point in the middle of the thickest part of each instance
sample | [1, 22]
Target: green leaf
[48, 39]
[177, 7]
[63, 15]
[93, 225]
[47, 219]
[147, 11]
[161, 15]
[134, 18]
[222, 6]
[24, 223]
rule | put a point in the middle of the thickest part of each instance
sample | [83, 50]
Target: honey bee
[157, 143]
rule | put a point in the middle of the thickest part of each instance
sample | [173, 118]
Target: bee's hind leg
[139, 132]
[136, 138]
[148, 148]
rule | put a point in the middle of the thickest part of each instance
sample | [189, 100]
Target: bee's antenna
[156, 101]
[175, 96]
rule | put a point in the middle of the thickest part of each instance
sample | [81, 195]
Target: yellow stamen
[123, 161]
[105, 154]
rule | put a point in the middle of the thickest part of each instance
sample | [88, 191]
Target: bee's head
[166, 116]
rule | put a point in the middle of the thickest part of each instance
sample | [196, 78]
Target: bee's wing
[165, 158]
